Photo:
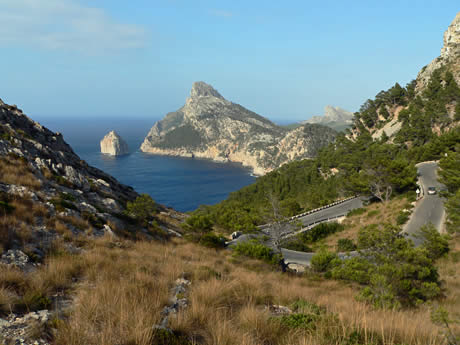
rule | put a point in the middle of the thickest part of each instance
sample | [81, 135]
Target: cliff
[429, 105]
[112, 144]
[449, 58]
[209, 126]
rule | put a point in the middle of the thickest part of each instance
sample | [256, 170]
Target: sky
[285, 60]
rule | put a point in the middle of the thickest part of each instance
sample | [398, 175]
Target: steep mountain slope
[428, 105]
[46, 188]
[209, 126]
[334, 117]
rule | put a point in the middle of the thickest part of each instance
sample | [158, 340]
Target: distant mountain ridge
[209, 126]
[334, 117]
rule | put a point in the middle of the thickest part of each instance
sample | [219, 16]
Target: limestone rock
[450, 56]
[113, 144]
[334, 117]
[209, 126]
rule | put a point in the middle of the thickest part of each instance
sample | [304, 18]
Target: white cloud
[65, 25]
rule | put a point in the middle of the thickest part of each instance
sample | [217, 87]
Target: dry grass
[120, 289]
[376, 213]
[449, 270]
[124, 290]
[14, 170]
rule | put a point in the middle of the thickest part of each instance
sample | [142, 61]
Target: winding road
[430, 209]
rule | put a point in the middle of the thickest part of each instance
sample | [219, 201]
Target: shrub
[323, 261]
[354, 269]
[211, 240]
[373, 213]
[258, 251]
[436, 244]
[402, 217]
[320, 231]
[399, 273]
[297, 246]
[141, 209]
[356, 212]
[345, 245]
[199, 223]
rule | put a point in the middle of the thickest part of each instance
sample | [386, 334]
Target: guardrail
[313, 211]
[310, 226]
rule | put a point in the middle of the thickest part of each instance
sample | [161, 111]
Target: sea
[181, 183]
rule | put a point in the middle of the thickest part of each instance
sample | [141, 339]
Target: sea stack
[112, 144]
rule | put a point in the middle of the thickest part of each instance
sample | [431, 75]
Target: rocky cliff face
[37, 166]
[112, 144]
[209, 126]
[450, 56]
[334, 117]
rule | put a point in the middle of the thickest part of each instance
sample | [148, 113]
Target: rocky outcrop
[112, 144]
[450, 56]
[209, 126]
[334, 117]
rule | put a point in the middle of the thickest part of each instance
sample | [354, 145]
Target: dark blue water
[182, 183]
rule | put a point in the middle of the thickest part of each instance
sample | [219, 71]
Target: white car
[431, 190]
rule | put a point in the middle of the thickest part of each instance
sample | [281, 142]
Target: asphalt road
[332, 212]
[430, 209]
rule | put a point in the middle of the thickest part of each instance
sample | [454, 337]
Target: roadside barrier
[313, 211]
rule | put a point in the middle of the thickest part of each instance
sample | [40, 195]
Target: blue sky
[284, 60]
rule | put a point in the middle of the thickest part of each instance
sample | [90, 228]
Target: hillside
[209, 126]
[428, 105]
[419, 125]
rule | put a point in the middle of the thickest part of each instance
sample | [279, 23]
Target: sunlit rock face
[112, 144]
[209, 126]
[450, 56]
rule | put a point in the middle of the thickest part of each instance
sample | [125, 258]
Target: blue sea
[181, 183]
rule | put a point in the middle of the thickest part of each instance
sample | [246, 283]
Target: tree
[453, 213]
[277, 221]
[450, 171]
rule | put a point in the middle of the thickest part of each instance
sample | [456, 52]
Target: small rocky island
[112, 144]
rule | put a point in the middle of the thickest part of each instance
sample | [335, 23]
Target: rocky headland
[209, 126]
[114, 145]
[333, 117]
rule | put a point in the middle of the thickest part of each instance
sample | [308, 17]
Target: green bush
[436, 244]
[400, 274]
[142, 209]
[305, 316]
[373, 213]
[211, 240]
[402, 217]
[345, 245]
[323, 261]
[306, 321]
[354, 269]
[258, 251]
[198, 223]
[356, 212]
[297, 246]
[320, 231]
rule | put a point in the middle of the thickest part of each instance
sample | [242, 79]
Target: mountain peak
[452, 39]
[201, 89]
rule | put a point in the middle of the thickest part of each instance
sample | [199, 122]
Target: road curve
[429, 209]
